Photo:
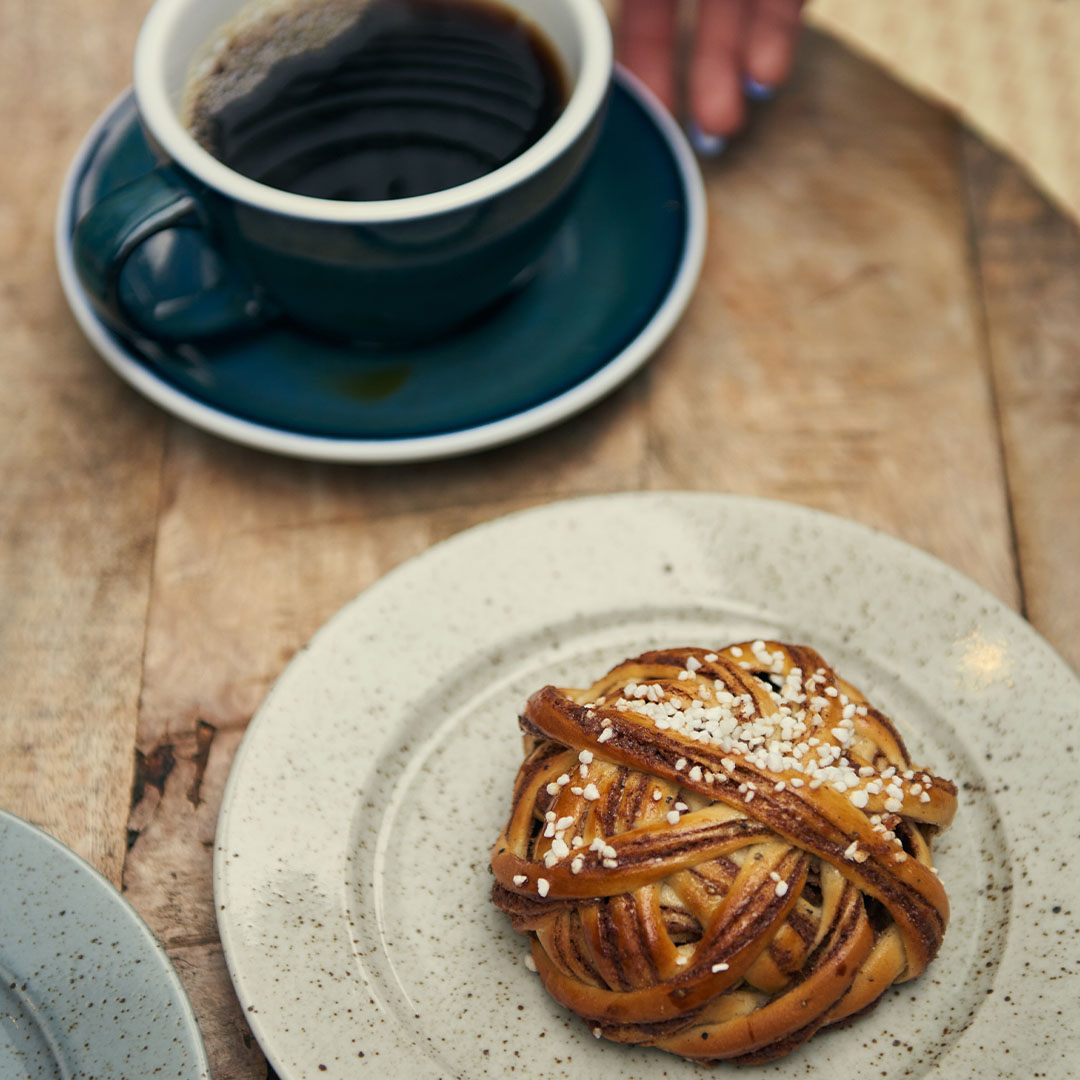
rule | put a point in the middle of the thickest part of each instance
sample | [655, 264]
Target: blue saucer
[617, 277]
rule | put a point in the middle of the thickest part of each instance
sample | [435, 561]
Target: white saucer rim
[617, 370]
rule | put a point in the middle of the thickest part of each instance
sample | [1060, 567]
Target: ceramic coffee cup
[393, 271]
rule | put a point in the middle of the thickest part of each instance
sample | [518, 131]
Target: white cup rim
[163, 123]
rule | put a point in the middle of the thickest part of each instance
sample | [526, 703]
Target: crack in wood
[204, 739]
[153, 769]
[191, 941]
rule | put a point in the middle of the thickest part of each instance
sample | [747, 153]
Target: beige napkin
[1008, 68]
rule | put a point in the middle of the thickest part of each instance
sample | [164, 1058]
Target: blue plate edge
[12, 821]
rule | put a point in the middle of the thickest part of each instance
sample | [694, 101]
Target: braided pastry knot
[720, 853]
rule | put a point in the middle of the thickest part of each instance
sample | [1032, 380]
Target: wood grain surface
[887, 328]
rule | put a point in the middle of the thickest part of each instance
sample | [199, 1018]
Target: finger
[645, 41]
[771, 33]
[716, 100]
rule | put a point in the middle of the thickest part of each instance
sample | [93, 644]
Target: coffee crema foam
[258, 37]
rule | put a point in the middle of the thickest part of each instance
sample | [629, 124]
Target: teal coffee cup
[385, 271]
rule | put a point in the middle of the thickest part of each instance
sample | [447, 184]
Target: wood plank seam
[982, 327]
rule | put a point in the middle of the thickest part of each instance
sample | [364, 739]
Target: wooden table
[887, 327]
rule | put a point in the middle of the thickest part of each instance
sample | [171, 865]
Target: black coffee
[401, 98]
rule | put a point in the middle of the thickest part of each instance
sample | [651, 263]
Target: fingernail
[756, 91]
[706, 144]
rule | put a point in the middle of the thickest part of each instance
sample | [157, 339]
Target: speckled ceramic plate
[86, 993]
[351, 868]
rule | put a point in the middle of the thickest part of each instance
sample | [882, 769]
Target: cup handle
[108, 234]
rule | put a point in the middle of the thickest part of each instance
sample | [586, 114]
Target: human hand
[741, 48]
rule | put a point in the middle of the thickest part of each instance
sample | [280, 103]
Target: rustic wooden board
[79, 460]
[1028, 257]
[885, 328]
[833, 353]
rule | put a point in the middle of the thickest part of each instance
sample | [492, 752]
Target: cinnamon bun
[719, 853]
